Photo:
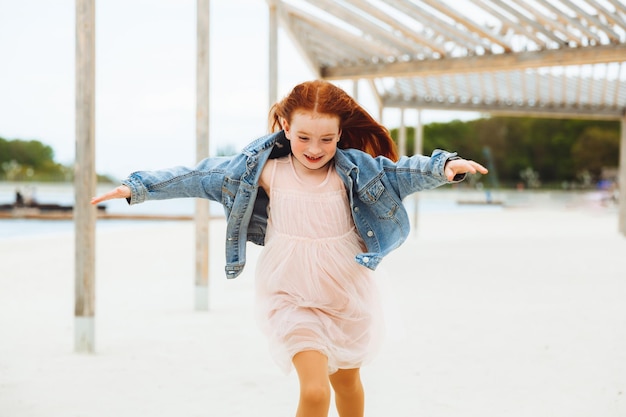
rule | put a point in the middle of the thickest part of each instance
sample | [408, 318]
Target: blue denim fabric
[375, 186]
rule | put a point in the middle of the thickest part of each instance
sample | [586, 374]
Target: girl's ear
[339, 136]
[285, 125]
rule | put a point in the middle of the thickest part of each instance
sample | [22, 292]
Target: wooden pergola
[542, 58]
[546, 58]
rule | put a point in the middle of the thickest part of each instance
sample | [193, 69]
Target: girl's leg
[312, 368]
[349, 395]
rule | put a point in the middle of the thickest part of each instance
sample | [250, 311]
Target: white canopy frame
[541, 58]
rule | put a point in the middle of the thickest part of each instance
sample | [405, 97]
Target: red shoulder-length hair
[359, 130]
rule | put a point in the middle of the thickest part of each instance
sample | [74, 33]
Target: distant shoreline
[118, 212]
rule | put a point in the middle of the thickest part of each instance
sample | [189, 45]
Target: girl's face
[313, 138]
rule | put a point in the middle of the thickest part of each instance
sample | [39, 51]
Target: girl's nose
[314, 148]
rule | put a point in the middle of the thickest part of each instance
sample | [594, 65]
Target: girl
[323, 193]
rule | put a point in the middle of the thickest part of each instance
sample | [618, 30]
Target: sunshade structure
[562, 57]
[548, 58]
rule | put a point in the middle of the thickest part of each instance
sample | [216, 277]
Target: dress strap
[274, 163]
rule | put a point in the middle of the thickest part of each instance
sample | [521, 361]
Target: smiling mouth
[313, 159]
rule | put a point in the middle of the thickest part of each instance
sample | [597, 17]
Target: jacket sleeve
[419, 172]
[205, 180]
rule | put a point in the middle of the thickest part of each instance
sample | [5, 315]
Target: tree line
[32, 160]
[534, 151]
[552, 152]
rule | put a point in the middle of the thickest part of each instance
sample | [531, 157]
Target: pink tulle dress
[311, 294]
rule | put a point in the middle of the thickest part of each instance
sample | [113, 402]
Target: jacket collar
[276, 141]
[345, 164]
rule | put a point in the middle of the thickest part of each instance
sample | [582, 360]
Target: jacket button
[370, 233]
[366, 259]
[356, 209]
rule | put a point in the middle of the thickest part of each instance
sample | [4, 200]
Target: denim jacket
[375, 187]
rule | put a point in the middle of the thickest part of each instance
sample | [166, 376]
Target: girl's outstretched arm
[119, 192]
[462, 166]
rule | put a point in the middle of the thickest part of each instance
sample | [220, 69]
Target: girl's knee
[315, 394]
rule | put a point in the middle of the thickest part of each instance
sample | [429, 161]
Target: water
[445, 199]
[64, 194]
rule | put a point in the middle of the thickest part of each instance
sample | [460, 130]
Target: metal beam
[488, 63]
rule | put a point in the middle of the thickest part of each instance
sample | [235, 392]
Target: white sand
[517, 312]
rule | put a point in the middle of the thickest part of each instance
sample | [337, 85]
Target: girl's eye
[303, 138]
[327, 140]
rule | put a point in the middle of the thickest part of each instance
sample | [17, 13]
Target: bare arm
[119, 192]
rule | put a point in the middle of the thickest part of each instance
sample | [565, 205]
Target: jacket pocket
[379, 201]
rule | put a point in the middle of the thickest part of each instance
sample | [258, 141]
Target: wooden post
[273, 53]
[85, 178]
[202, 151]
[402, 135]
[355, 89]
[621, 182]
[419, 134]
[378, 99]
[418, 149]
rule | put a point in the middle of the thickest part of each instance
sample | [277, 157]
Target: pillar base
[84, 334]
[202, 297]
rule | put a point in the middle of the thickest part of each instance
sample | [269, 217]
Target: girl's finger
[119, 192]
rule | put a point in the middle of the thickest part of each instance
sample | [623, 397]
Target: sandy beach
[517, 312]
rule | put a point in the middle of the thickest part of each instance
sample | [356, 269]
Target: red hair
[359, 130]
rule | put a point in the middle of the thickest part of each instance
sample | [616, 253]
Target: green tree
[24, 160]
[594, 149]
[31, 153]
[518, 144]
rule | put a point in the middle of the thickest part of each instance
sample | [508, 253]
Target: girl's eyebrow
[301, 132]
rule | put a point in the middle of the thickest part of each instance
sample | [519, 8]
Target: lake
[442, 199]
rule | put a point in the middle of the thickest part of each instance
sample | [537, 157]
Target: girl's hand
[120, 192]
[462, 166]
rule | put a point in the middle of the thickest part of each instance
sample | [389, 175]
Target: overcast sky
[145, 78]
